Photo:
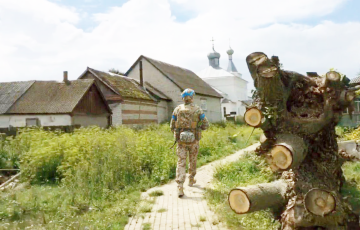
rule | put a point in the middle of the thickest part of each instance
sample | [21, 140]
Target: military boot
[180, 191]
[192, 181]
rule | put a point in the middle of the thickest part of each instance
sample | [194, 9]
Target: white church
[228, 83]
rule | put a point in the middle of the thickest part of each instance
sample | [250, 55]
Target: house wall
[172, 91]
[135, 112]
[163, 111]
[355, 121]
[45, 120]
[213, 111]
[116, 114]
[235, 88]
[90, 120]
[92, 104]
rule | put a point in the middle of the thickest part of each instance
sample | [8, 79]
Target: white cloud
[39, 41]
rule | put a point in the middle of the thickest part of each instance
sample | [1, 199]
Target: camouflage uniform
[194, 121]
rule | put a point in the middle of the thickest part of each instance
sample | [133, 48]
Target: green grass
[145, 208]
[351, 188]
[250, 169]
[93, 177]
[146, 226]
[202, 218]
[156, 193]
[162, 210]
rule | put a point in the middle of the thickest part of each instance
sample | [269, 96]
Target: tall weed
[99, 172]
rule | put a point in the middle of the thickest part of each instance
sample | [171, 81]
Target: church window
[203, 104]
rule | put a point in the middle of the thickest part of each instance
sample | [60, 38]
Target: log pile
[298, 115]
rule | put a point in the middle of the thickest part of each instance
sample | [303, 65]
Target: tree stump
[298, 115]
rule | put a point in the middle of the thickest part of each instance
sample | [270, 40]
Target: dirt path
[189, 212]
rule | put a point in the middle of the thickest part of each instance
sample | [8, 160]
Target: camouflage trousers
[181, 151]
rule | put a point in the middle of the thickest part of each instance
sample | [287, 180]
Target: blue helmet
[188, 92]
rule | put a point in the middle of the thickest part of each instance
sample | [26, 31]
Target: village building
[346, 120]
[168, 81]
[229, 83]
[52, 104]
[130, 103]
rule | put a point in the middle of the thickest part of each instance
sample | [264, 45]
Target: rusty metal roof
[181, 77]
[10, 92]
[124, 86]
[45, 97]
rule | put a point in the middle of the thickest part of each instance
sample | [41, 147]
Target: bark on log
[257, 197]
[289, 151]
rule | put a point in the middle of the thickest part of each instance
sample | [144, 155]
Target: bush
[101, 169]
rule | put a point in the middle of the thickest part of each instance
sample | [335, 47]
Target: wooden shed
[131, 104]
[52, 104]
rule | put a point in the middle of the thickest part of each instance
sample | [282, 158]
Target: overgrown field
[93, 177]
[252, 169]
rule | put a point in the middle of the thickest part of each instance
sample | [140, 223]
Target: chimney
[141, 74]
[66, 80]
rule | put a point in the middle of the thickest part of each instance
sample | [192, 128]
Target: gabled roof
[10, 92]
[156, 92]
[121, 85]
[181, 77]
[49, 97]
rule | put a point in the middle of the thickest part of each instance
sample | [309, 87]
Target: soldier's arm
[204, 123]
[173, 120]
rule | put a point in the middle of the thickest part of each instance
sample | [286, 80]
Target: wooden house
[131, 104]
[170, 81]
[52, 104]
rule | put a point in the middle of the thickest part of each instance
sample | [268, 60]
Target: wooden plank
[138, 103]
[139, 112]
[138, 121]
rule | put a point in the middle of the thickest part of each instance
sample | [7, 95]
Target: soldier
[187, 122]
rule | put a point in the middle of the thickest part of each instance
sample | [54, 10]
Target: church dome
[230, 51]
[213, 54]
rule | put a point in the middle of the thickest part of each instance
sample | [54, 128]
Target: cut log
[258, 197]
[319, 202]
[253, 117]
[333, 76]
[288, 152]
[346, 97]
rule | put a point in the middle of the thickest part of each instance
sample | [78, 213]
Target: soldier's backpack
[186, 123]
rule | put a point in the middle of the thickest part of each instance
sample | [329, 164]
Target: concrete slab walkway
[189, 212]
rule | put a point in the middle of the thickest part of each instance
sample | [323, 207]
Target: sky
[39, 39]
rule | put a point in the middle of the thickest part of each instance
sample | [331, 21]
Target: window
[346, 111]
[32, 122]
[203, 104]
